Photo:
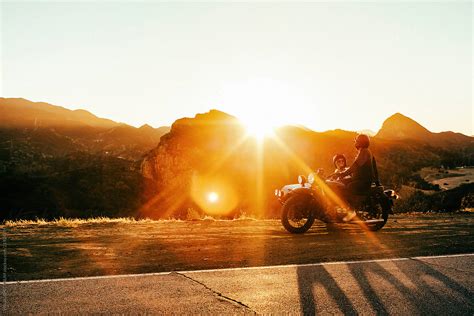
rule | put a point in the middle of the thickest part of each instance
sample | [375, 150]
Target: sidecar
[286, 191]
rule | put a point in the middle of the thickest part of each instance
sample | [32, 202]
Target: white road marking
[234, 269]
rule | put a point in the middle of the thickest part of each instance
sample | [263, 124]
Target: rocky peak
[145, 127]
[399, 126]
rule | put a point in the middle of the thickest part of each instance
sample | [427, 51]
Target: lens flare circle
[216, 196]
[213, 197]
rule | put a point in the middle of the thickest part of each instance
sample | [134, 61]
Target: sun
[263, 104]
[259, 123]
[258, 128]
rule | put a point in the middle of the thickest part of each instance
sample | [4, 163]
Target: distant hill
[399, 126]
[18, 112]
[52, 130]
[369, 132]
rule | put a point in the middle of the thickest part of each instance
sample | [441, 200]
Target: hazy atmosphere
[226, 158]
[303, 63]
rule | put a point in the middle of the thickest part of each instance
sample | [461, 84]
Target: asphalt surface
[442, 285]
[43, 252]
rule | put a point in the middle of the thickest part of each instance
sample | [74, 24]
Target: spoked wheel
[297, 216]
[375, 215]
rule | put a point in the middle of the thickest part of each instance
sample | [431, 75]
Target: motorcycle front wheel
[297, 216]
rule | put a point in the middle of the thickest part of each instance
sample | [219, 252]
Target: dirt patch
[448, 179]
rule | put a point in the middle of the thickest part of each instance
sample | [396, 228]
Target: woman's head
[339, 161]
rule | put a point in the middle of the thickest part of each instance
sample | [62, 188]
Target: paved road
[407, 286]
[42, 252]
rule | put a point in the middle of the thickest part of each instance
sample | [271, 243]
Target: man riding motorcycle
[362, 171]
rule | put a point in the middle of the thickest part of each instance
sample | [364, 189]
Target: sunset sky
[341, 65]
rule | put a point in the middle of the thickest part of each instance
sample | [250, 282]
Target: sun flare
[263, 104]
[215, 195]
[259, 129]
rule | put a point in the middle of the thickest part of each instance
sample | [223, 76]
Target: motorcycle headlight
[311, 178]
[301, 179]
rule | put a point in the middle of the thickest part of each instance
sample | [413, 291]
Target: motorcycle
[312, 198]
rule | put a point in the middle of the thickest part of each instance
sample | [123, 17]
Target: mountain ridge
[395, 127]
[19, 112]
[399, 127]
[74, 130]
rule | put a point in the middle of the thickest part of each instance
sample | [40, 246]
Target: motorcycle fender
[302, 191]
[299, 191]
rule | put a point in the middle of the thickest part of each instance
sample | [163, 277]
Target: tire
[297, 215]
[384, 207]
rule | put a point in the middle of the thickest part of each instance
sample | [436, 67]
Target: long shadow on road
[311, 279]
[383, 288]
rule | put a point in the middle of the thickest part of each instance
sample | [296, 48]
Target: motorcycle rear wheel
[382, 208]
[297, 216]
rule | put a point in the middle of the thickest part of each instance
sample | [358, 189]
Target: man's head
[362, 141]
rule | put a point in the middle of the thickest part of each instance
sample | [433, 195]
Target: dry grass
[407, 191]
[75, 222]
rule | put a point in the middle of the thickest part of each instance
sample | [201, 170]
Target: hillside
[37, 128]
[398, 127]
[21, 113]
[57, 162]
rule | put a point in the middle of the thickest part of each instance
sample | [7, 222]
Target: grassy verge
[75, 222]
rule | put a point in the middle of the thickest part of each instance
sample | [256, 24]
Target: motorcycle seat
[373, 190]
[376, 189]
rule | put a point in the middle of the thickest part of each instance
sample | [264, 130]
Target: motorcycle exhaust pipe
[370, 221]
